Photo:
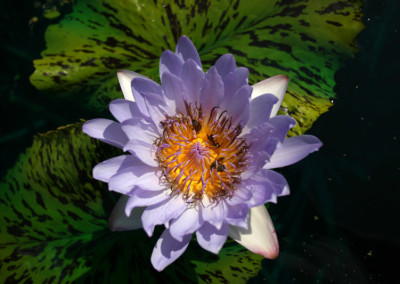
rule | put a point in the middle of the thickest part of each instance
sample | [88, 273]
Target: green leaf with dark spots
[54, 225]
[308, 40]
[234, 264]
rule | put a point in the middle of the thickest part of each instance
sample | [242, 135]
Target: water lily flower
[201, 147]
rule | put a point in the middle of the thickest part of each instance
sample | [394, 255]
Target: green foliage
[306, 40]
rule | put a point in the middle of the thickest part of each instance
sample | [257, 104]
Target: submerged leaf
[53, 224]
[306, 40]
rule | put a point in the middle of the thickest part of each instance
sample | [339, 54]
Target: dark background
[343, 209]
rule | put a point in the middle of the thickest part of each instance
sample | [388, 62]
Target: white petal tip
[269, 254]
[261, 237]
[284, 78]
[276, 86]
[272, 251]
[160, 266]
[125, 78]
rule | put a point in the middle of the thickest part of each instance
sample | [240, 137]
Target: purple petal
[239, 106]
[192, 77]
[141, 86]
[260, 237]
[124, 109]
[241, 196]
[106, 169]
[157, 109]
[144, 151]
[168, 249]
[211, 238]
[266, 186]
[187, 223]
[174, 91]
[225, 65]
[260, 110]
[145, 85]
[126, 179]
[144, 198]
[186, 50]
[118, 220]
[212, 92]
[214, 213]
[105, 130]
[238, 215]
[292, 150]
[170, 62]
[234, 81]
[125, 78]
[282, 124]
[139, 129]
[276, 86]
[263, 144]
[162, 213]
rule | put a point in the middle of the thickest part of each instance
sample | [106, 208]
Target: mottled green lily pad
[53, 225]
[308, 40]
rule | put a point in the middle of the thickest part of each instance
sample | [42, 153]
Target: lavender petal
[170, 62]
[126, 179]
[225, 65]
[260, 112]
[211, 238]
[106, 169]
[174, 93]
[292, 150]
[105, 130]
[186, 50]
[212, 92]
[142, 150]
[144, 198]
[234, 81]
[123, 110]
[187, 223]
[193, 77]
[168, 249]
[162, 213]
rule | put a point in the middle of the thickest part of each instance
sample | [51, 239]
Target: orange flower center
[201, 155]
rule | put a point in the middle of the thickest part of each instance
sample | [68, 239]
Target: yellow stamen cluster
[201, 155]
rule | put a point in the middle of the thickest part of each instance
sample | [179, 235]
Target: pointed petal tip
[125, 78]
[292, 150]
[272, 251]
[167, 250]
[283, 78]
[186, 49]
[268, 254]
[260, 237]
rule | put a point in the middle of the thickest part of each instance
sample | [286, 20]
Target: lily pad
[53, 225]
[308, 40]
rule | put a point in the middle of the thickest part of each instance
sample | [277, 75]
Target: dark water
[344, 206]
